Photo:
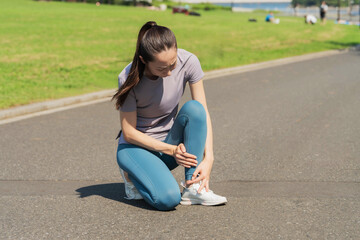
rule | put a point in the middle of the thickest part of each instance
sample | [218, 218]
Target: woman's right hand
[183, 158]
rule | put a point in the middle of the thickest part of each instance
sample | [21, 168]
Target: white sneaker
[190, 196]
[130, 190]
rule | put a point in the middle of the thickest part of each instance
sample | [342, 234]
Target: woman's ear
[141, 59]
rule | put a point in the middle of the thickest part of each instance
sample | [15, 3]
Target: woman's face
[162, 65]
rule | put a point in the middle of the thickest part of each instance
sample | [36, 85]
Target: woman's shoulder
[191, 65]
[185, 56]
[123, 75]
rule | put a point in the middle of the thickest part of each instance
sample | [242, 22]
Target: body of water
[287, 9]
[265, 6]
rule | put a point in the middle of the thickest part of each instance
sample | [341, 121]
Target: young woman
[154, 138]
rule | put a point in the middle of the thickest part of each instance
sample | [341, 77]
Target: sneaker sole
[188, 202]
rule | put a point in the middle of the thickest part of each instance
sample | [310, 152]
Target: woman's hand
[203, 170]
[183, 158]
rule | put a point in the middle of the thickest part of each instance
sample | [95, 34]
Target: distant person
[155, 137]
[271, 19]
[310, 19]
[296, 8]
[323, 10]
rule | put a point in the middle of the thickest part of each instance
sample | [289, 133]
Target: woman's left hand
[202, 173]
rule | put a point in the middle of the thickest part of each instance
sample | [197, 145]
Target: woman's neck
[150, 75]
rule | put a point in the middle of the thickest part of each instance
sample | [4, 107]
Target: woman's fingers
[189, 161]
[182, 157]
[203, 184]
[182, 150]
[197, 170]
[188, 155]
[182, 147]
[207, 187]
[198, 179]
[183, 163]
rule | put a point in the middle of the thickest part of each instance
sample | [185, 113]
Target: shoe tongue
[196, 186]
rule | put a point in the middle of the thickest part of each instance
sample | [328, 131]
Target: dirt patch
[26, 57]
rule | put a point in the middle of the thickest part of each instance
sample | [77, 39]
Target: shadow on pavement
[354, 46]
[113, 191]
[342, 45]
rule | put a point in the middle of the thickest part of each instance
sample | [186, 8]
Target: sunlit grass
[54, 49]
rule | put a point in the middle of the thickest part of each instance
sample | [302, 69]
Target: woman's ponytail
[136, 70]
[152, 40]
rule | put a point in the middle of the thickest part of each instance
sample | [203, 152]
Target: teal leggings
[151, 171]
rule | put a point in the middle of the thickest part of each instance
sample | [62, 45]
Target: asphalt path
[287, 157]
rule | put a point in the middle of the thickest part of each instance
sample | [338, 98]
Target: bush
[199, 6]
[170, 4]
[265, 11]
[209, 7]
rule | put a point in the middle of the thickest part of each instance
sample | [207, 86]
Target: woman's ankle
[126, 175]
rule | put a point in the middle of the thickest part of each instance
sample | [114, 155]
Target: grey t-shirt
[156, 101]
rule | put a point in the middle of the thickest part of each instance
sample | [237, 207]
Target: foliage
[209, 6]
[265, 11]
[170, 4]
[318, 2]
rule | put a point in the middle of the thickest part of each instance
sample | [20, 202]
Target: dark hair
[152, 39]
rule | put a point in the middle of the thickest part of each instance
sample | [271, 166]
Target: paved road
[287, 154]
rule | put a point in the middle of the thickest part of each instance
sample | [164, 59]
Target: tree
[334, 3]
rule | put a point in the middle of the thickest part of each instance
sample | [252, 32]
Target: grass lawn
[54, 49]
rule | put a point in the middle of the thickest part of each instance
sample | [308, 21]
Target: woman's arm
[134, 136]
[204, 169]
[198, 94]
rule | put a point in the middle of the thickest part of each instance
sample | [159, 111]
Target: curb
[53, 104]
[271, 63]
[92, 97]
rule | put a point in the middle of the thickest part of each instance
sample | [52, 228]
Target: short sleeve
[130, 101]
[194, 70]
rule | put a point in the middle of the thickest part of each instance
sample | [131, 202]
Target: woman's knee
[125, 155]
[168, 200]
[194, 109]
[121, 156]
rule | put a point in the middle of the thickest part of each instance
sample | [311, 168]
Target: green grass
[53, 49]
